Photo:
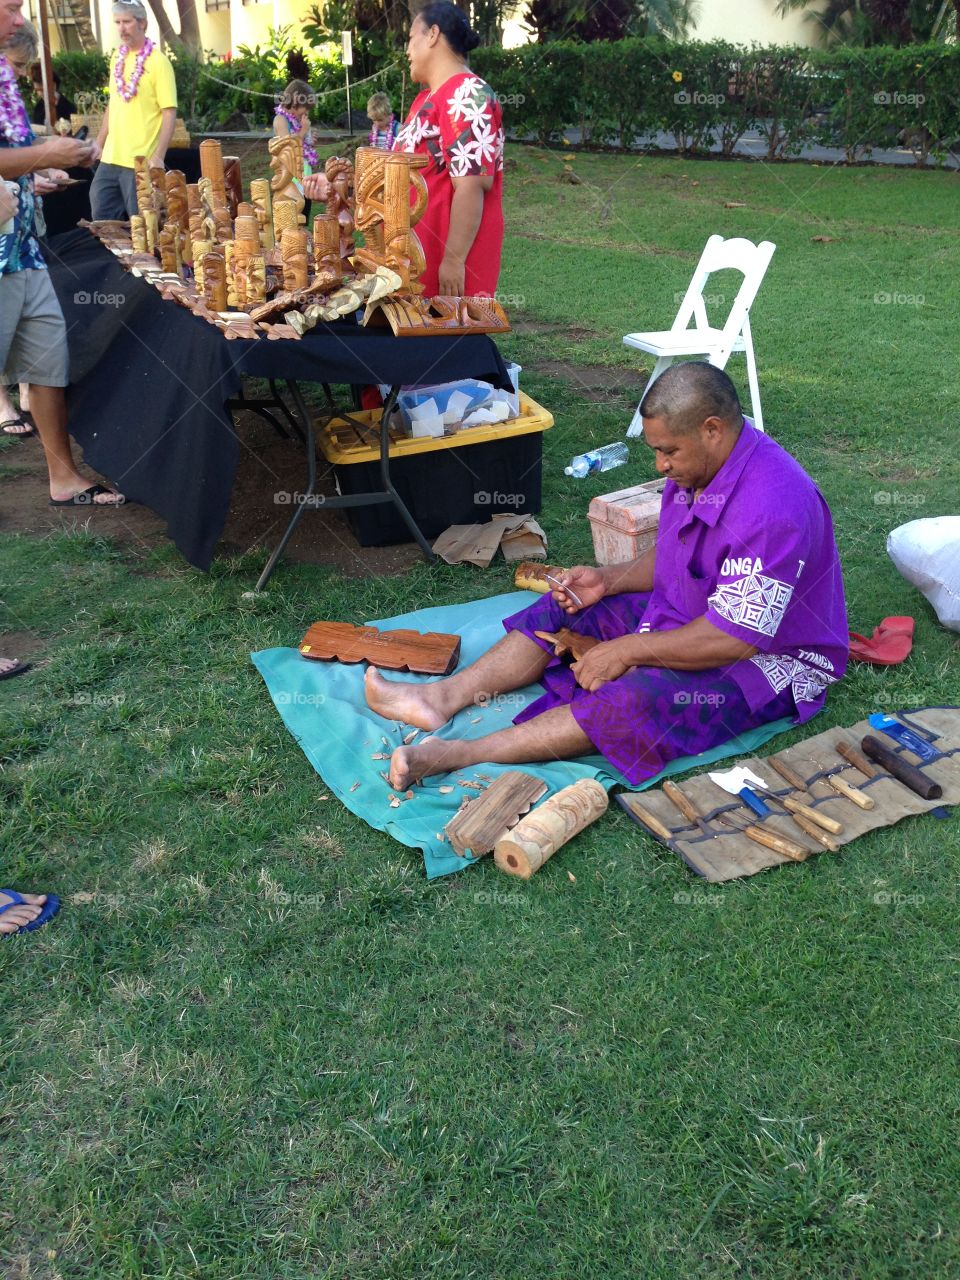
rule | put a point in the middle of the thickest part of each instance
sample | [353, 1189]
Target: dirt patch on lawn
[598, 383]
[268, 464]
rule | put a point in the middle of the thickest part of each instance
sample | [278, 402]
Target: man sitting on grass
[735, 619]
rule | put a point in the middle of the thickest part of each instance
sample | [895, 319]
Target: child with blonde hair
[385, 124]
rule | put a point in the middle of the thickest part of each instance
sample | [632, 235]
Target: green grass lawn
[626, 1073]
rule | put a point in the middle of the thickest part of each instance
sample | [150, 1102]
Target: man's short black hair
[687, 393]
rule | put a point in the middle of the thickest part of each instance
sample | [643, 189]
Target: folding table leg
[398, 502]
[307, 433]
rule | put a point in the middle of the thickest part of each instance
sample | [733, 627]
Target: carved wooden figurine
[229, 262]
[541, 833]
[211, 166]
[286, 216]
[151, 226]
[168, 243]
[293, 247]
[340, 175]
[286, 161]
[326, 244]
[138, 234]
[261, 199]
[256, 279]
[144, 187]
[199, 249]
[215, 281]
[232, 183]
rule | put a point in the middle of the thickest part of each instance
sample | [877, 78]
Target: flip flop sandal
[889, 645]
[22, 420]
[50, 909]
[18, 670]
[86, 499]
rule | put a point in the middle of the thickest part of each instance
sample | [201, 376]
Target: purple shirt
[754, 553]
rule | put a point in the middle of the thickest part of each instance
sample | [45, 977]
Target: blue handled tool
[904, 736]
[735, 781]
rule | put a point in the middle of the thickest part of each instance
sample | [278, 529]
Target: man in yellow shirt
[140, 117]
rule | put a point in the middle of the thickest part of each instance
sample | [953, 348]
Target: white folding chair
[683, 341]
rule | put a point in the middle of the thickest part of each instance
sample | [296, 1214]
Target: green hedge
[699, 93]
[708, 93]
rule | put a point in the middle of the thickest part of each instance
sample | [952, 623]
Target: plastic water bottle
[605, 458]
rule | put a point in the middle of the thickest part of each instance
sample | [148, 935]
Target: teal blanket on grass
[322, 705]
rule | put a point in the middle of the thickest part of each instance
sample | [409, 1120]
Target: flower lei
[129, 91]
[309, 150]
[14, 125]
[375, 131]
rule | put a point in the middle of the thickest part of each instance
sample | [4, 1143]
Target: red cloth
[460, 129]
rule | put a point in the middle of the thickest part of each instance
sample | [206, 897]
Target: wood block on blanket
[482, 822]
[530, 576]
[722, 853]
[431, 653]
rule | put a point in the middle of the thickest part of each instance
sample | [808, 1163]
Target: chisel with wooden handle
[796, 806]
[849, 793]
[686, 807]
[854, 757]
[650, 822]
[769, 839]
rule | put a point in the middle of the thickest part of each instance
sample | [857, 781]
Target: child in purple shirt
[736, 618]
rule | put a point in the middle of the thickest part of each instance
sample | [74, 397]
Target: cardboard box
[624, 523]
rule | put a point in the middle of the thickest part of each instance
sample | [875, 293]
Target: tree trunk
[167, 33]
[189, 27]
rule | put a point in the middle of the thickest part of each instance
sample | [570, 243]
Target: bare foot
[397, 700]
[409, 764]
[7, 664]
[11, 921]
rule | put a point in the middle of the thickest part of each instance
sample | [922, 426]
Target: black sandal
[21, 420]
[86, 498]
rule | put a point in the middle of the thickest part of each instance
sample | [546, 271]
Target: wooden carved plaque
[431, 653]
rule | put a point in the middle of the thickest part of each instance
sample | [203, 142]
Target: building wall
[223, 30]
[751, 22]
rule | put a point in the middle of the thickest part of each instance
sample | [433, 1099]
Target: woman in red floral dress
[456, 121]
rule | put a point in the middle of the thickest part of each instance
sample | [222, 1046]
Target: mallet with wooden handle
[904, 772]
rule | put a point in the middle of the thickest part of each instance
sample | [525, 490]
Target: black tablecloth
[149, 382]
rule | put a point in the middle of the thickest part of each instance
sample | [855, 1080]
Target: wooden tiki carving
[340, 203]
[199, 248]
[286, 216]
[232, 183]
[141, 178]
[168, 243]
[293, 247]
[326, 244]
[151, 226]
[256, 280]
[541, 833]
[262, 201]
[211, 167]
[215, 281]
[229, 263]
[138, 234]
[286, 161]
